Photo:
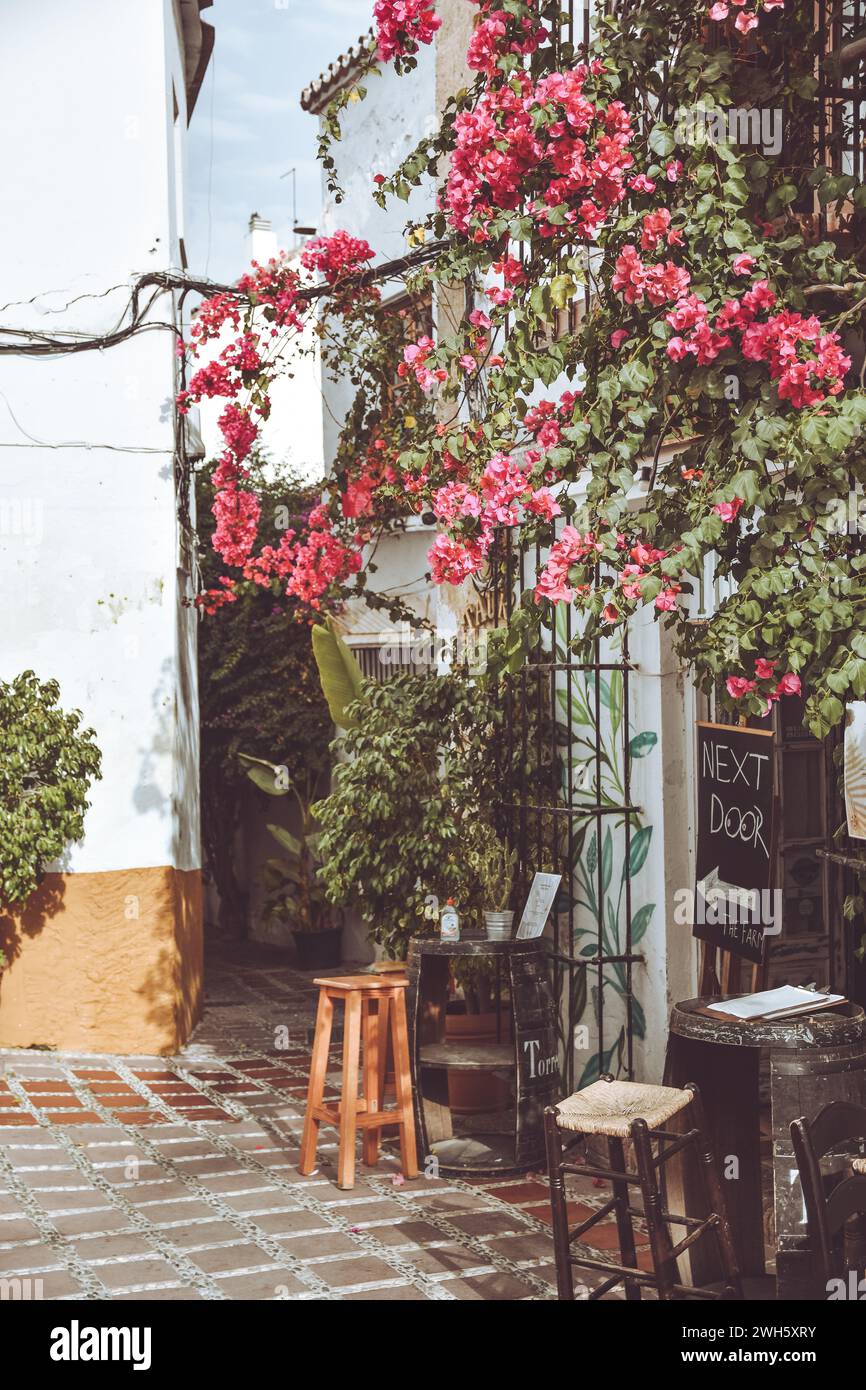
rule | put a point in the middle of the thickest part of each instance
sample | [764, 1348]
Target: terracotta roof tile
[320, 91]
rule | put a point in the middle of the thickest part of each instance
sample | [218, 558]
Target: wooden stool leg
[715, 1194]
[349, 1099]
[558, 1208]
[371, 1027]
[386, 1047]
[660, 1240]
[316, 1088]
[403, 1081]
[625, 1229]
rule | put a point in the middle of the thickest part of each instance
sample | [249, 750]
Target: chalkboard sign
[734, 905]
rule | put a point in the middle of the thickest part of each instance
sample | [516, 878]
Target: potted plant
[293, 891]
[405, 798]
[494, 865]
[399, 825]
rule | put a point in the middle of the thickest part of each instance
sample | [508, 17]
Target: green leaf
[562, 289]
[615, 700]
[636, 376]
[592, 854]
[640, 921]
[286, 839]
[639, 849]
[339, 672]
[268, 777]
[643, 743]
[661, 141]
[607, 861]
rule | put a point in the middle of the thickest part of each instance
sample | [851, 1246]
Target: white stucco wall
[89, 553]
[293, 434]
[377, 134]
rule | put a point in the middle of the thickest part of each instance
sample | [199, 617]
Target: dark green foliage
[259, 691]
[47, 764]
[420, 775]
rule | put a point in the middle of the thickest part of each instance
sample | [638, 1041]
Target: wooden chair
[722, 972]
[375, 1008]
[627, 1110]
[835, 1206]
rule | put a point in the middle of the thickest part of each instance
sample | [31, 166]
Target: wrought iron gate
[566, 772]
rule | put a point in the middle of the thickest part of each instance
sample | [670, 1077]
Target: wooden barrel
[803, 1079]
[526, 1057]
[812, 1061]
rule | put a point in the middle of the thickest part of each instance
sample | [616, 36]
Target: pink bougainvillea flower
[582, 153]
[571, 549]
[336, 256]
[719, 11]
[764, 669]
[618, 338]
[728, 510]
[401, 25]
[745, 22]
[667, 599]
[789, 684]
[744, 265]
[674, 170]
[543, 503]
[738, 686]
[452, 561]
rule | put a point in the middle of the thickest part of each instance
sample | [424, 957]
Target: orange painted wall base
[104, 962]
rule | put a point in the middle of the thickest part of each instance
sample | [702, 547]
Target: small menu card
[541, 895]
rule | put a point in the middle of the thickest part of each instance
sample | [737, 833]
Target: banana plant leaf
[339, 672]
[268, 777]
[286, 839]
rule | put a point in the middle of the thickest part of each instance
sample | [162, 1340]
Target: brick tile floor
[156, 1178]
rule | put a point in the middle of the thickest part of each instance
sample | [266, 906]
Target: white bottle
[449, 922]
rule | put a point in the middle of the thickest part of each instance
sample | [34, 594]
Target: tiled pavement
[167, 1178]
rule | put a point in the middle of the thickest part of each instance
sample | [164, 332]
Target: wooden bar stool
[627, 1110]
[375, 1007]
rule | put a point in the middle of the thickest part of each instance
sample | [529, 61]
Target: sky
[248, 128]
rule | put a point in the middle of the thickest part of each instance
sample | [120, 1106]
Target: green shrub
[419, 774]
[47, 763]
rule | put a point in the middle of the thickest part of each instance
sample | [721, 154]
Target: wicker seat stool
[621, 1111]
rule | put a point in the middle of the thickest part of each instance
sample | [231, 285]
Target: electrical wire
[34, 343]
